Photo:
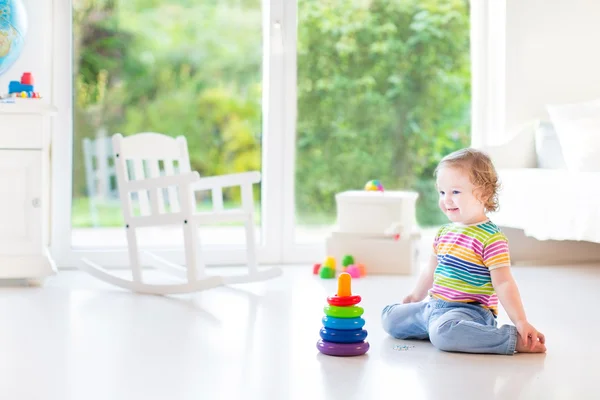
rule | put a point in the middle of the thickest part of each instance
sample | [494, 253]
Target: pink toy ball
[374, 186]
[353, 270]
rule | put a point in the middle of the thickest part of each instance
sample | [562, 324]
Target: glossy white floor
[77, 338]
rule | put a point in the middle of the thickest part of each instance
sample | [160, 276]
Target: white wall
[36, 55]
[551, 55]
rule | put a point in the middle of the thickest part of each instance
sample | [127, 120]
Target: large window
[183, 67]
[383, 92]
[320, 96]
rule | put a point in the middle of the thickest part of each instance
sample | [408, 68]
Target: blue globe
[13, 28]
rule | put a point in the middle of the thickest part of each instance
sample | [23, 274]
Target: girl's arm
[424, 283]
[508, 294]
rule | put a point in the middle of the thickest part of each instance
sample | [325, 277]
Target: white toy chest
[367, 226]
[381, 255]
[361, 211]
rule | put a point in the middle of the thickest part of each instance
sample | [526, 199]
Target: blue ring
[343, 324]
[339, 336]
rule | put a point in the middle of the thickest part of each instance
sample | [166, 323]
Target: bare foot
[524, 347]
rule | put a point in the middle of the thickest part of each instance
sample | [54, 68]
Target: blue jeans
[450, 326]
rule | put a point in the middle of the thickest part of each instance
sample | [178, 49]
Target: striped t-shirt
[466, 255]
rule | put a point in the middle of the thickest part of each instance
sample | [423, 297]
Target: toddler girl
[468, 272]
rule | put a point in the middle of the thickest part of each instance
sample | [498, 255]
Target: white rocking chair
[178, 186]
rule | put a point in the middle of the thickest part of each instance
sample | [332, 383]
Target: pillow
[547, 147]
[578, 129]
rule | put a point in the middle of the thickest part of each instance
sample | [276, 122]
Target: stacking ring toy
[343, 301]
[343, 323]
[343, 312]
[342, 333]
[340, 336]
[342, 349]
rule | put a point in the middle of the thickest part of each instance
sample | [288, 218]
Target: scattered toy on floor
[404, 347]
[347, 260]
[327, 269]
[316, 269]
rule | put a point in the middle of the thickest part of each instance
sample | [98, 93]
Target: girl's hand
[411, 298]
[528, 332]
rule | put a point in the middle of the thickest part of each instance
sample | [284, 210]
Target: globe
[13, 28]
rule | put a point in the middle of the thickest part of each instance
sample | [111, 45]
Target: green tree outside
[383, 90]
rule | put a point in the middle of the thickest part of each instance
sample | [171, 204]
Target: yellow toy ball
[374, 186]
[330, 262]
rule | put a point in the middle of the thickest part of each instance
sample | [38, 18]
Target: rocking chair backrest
[149, 155]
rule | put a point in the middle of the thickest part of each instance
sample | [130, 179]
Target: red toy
[343, 301]
[27, 78]
[316, 269]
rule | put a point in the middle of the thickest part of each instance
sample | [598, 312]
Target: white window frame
[279, 132]
[488, 72]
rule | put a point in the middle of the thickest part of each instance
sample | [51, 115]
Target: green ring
[344, 312]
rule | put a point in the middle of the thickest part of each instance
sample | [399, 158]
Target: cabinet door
[21, 224]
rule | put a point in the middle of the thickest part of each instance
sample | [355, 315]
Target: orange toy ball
[362, 270]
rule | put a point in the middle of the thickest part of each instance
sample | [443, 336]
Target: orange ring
[343, 301]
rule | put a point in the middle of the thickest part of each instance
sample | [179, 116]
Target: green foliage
[189, 69]
[383, 88]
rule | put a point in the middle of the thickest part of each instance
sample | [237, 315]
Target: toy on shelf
[374, 186]
[342, 333]
[23, 88]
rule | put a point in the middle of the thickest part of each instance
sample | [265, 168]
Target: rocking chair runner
[178, 187]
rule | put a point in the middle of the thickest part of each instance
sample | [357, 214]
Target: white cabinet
[24, 191]
[20, 202]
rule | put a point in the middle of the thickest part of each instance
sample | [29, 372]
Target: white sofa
[539, 194]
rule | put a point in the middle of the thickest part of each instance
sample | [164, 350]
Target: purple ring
[342, 349]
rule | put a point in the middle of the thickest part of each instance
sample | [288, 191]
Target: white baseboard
[527, 250]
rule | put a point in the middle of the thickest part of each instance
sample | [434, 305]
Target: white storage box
[379, 254]
[363, 211]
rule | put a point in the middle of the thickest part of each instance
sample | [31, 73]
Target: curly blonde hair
[481, 172]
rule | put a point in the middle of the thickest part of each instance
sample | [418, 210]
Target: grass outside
[109, 214]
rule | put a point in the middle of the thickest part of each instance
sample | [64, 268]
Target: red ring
[343, 301]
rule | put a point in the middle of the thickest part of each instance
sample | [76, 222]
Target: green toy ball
[326, 272]
[347, 260]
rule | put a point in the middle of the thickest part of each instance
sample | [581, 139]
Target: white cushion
[578, 129]
[547, 147]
